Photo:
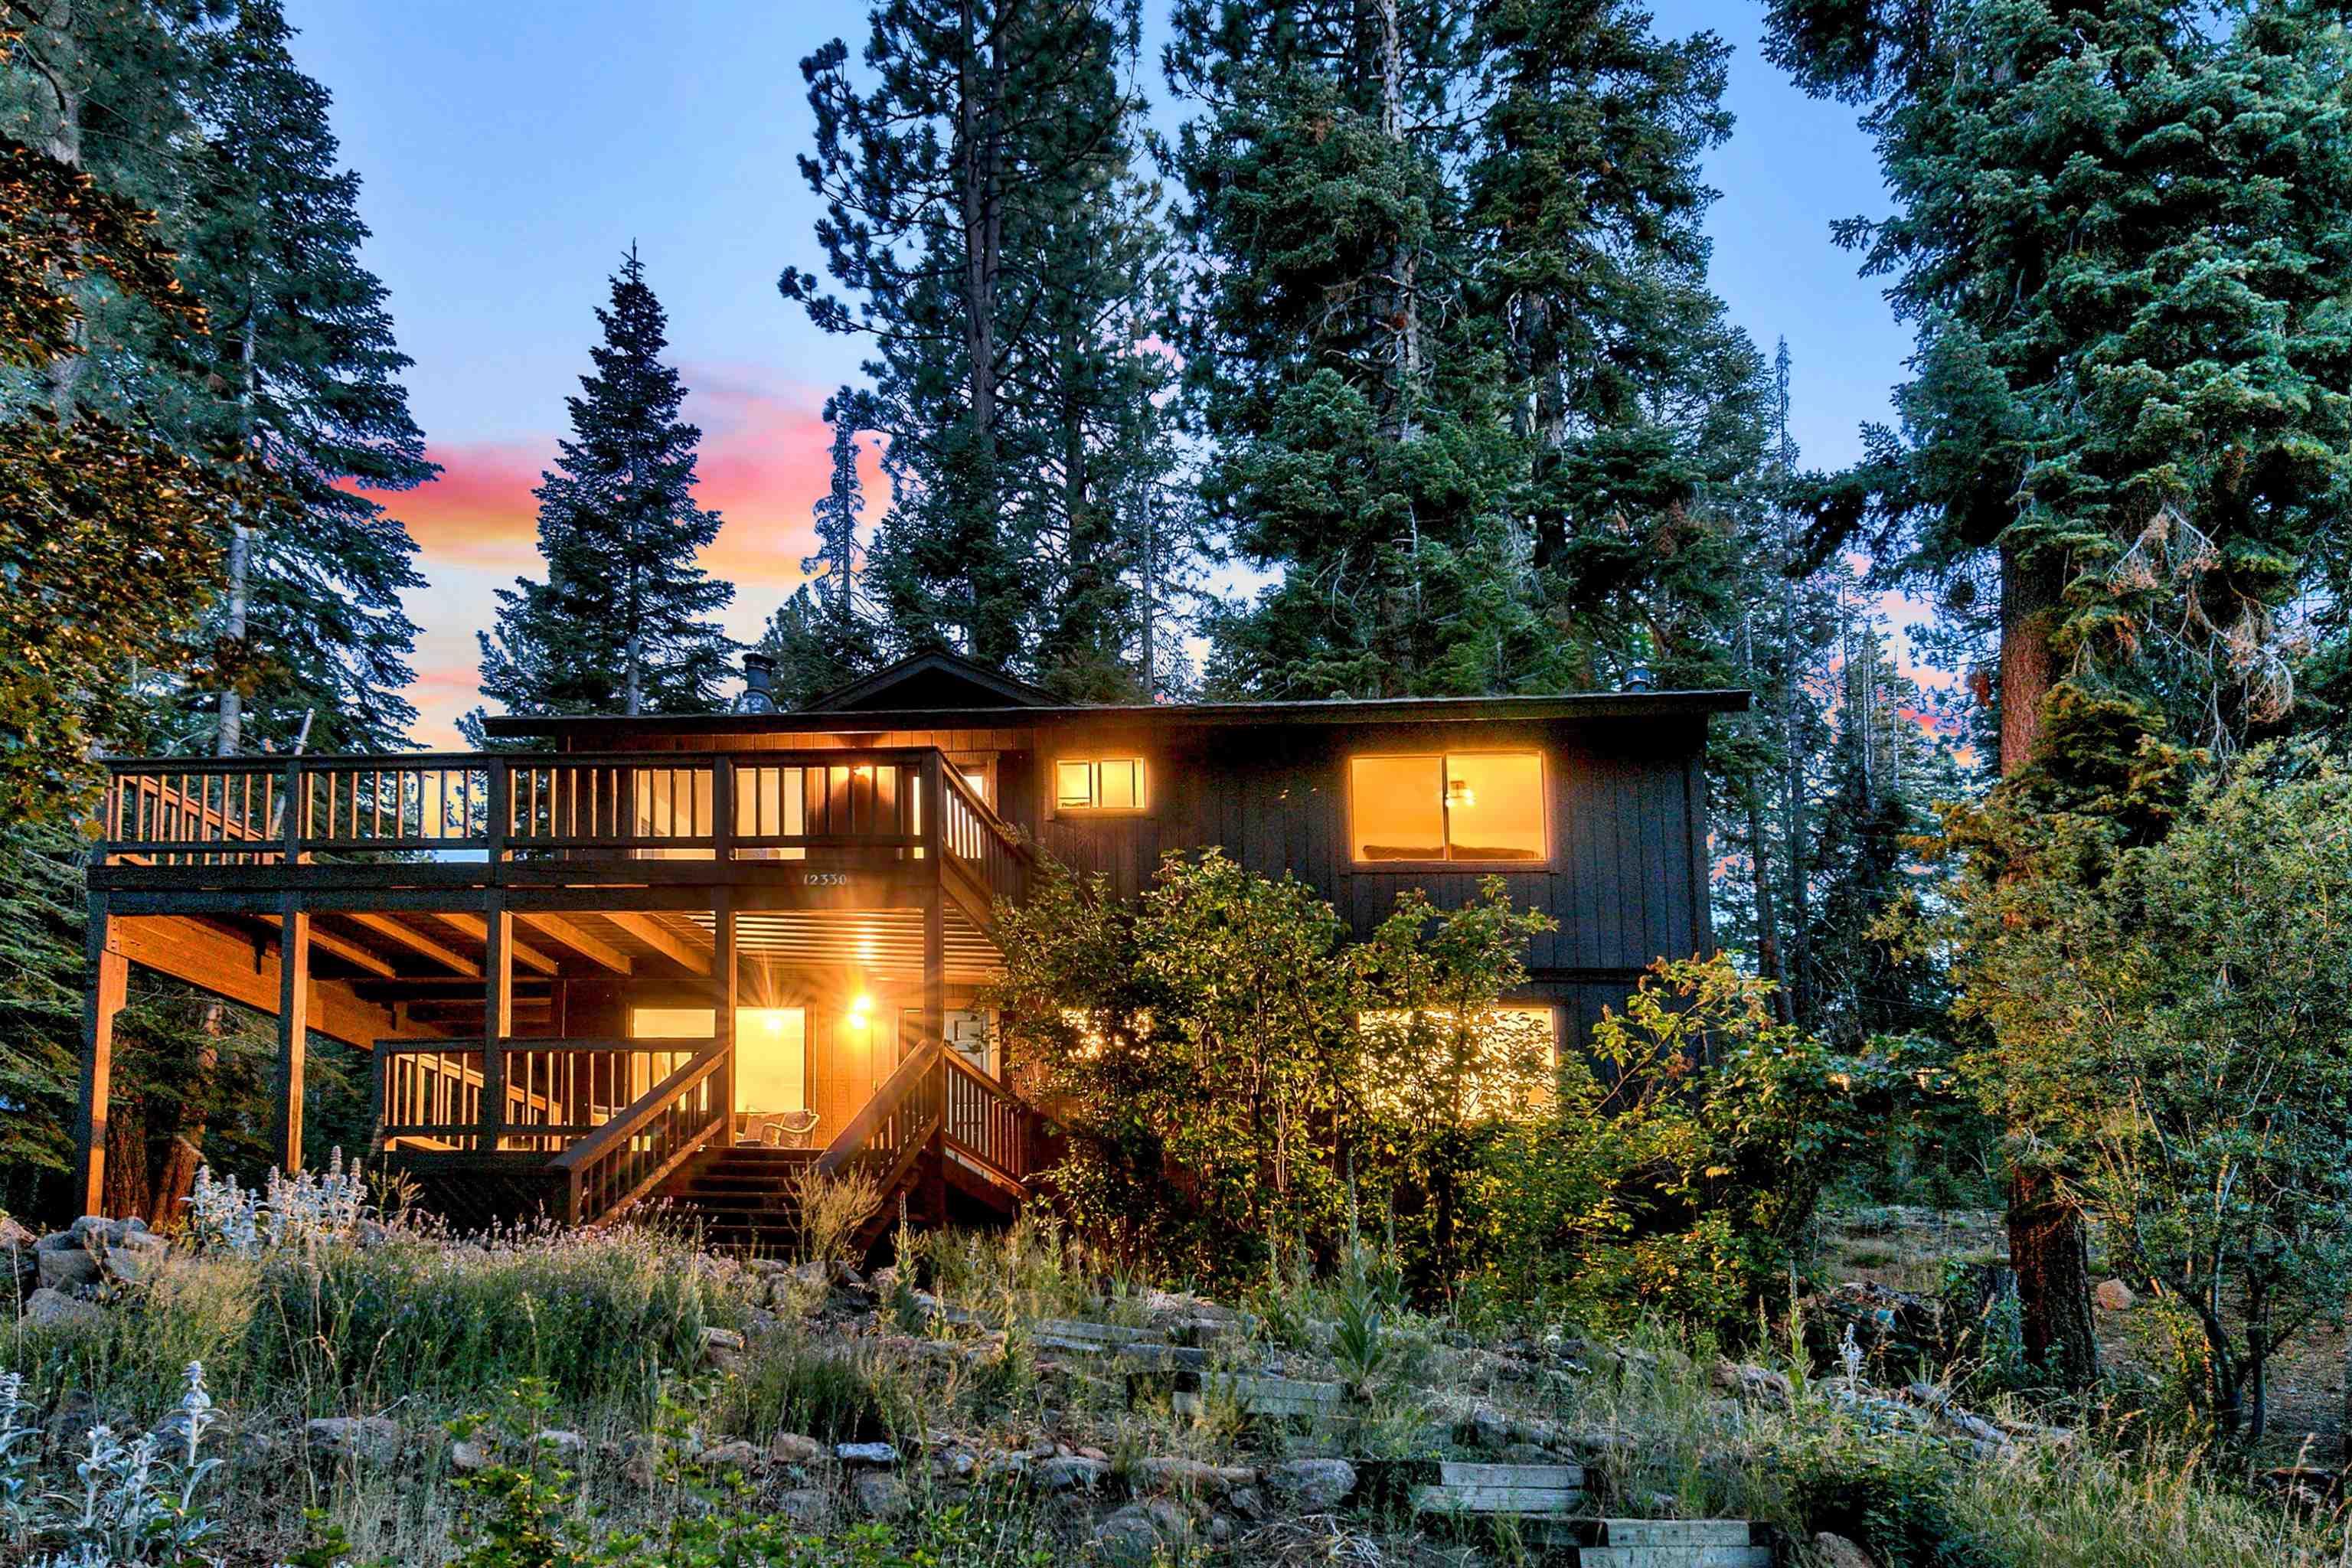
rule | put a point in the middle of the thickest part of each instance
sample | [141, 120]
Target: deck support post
[293, 1028]
[497, 1014]
[724, 988]
[106, 985]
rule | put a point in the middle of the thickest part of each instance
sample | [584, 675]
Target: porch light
[860, 1006]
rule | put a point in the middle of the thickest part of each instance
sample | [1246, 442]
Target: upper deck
[830, 828]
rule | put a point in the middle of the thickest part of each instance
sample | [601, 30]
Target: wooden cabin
[685, 956]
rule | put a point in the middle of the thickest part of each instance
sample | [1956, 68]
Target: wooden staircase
[955, 1143]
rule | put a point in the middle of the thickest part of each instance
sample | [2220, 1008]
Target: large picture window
[1482, 806]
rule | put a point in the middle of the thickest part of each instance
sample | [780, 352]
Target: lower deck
[569, 1025]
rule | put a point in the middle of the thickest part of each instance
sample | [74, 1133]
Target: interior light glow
[1458, 793]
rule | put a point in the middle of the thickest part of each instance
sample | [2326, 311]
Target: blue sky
[512, 149]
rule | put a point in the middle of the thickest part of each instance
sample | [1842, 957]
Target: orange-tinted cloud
[765, 461]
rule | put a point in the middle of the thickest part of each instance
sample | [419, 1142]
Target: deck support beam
[107, 984]
[935, 984]
[293, 1028]
[725, 990]
[498, 1014]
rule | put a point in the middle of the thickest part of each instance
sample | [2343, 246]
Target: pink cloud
[764, 462]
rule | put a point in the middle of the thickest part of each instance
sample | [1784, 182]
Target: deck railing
[834, 808]
[626, 1158]
[429, 1093]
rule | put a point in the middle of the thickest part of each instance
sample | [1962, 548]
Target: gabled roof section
[932, 680]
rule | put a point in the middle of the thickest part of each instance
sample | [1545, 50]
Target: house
[688, 955]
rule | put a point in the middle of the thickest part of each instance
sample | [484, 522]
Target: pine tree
[822, 636]
[2119, 237]
[617, 626]
[1467, 391]
[985, 217]
[303, 352]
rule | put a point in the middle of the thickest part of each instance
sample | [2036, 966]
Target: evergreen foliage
[1450, 340]
[825, 635]
[986, 217]
[618, 625]
[304, 375]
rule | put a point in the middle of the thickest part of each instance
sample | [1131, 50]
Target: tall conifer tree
[985, 219]
[303, 356]
[821, 636]
[619, 623]
[2123, 237]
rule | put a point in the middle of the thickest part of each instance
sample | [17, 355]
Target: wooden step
[1548, 1491]
[1676, 1543]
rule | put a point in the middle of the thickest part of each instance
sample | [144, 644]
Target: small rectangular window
[1098, 783]
[1460, 806]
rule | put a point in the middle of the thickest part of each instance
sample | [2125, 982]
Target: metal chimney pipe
[758, 684]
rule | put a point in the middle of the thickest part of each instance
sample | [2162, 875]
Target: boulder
[791, 1448]
[1836, 1551]
[722, 1348]
[14, 1236]
[1071, 1473]
[129, 1264]
[64, 1270]
[879, 1455]
[48, 1309]
[879, 1495]
[1143, 1532]
[808, 1507]
[2113, 1296]
[374, 1438]
[736, 1455]
[468, 1456]
[561, 1442]
[1757, 1383]
[1316, 1486]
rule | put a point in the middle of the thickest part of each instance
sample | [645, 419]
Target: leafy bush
[1225, 1062]
[1679, 1178]
[2168, 1025]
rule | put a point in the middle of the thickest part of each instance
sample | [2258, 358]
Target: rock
[63, 1269]
[722, 1348]
[1071, 1473]
[643, 1469]
[47, 1308]
[374, 1438]
[1836, 1551]
[14, 1236]
[956, 1464]
[132, 1264]
[807, 1506]
[879, 1496]
[1754, 1383]
[561, 1441]
[736, 1455]
[467, 1455]
[791, 1448]
[2113, 1296]
[881, 1454]
[1248, 1501]
[1189, 1476]
[1139, 1532]
[1314, 1484]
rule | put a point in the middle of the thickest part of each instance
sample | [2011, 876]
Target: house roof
[1001, 714]
[935, 678]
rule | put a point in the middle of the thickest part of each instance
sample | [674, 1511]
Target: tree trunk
[2046, 1244]
[55, 49]
[1759, 855]
[2053, 1280]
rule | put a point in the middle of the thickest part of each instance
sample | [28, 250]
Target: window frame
[1094, 761]
[1546, 861]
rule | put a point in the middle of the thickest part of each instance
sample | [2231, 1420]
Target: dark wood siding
[1626, 882]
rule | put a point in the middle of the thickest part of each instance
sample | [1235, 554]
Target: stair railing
[895, 1125]
[627, 1157]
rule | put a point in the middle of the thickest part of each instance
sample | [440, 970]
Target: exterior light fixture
[860, 1006]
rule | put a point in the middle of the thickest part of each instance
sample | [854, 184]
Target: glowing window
[1460, 805]
[1098, 783]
